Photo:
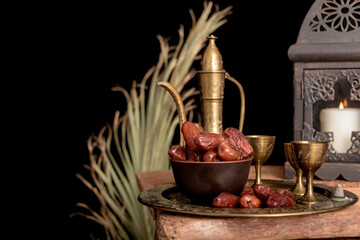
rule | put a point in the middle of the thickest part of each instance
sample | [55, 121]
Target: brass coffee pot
[211, 79]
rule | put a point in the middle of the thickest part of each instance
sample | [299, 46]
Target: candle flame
[341, 105]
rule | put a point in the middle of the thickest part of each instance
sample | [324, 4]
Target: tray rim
[164, 187]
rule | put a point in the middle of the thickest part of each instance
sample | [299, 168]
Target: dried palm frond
[142, 136]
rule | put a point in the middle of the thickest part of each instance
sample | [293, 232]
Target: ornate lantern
[326, 82]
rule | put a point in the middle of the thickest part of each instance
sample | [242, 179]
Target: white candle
[341, 122]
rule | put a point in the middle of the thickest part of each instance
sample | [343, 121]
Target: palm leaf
[139, 140]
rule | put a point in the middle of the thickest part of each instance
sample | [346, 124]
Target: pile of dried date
[255, 197]
[210, 147]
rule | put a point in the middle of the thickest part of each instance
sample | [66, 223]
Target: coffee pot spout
[179, 106]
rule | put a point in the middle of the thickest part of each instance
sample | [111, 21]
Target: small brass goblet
[263, 146]
[310, 155]
[298, 189]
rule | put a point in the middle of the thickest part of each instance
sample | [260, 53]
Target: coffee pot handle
[242, 99]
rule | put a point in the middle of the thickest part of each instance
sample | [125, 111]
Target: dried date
[238, 139]
[210, 156]
[195, 156]
[228, 152]
[226, 200]
[263, 192]
[250, 201]
[278, 201]
[177, 153]
[190, 130]
[208, 141]
[286, 192]
[248, 190]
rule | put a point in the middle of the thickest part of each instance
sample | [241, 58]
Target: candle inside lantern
[341, 122]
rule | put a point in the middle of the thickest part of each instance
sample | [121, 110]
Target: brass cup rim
[260, 136]
[308, 142]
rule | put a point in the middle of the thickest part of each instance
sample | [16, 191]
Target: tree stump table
[340, 224]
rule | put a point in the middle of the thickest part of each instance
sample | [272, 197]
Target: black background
[87, 48]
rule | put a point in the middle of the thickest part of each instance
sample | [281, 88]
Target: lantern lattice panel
[326, 61]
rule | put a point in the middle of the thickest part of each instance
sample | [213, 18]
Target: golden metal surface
[211, 79]
[299, 188]
[310, 155]
[263, 146]
[211, 60]
[168, 198]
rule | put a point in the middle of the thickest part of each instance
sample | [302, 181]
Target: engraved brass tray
[168, 198]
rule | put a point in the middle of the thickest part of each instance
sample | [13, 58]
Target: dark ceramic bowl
[202, 181]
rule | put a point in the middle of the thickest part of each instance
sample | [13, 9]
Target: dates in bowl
[210, 163]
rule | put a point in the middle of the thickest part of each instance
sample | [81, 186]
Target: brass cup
[310, 155]
[263, 146]
[298, 189]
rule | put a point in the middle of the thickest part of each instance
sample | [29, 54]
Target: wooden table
[344, 223]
